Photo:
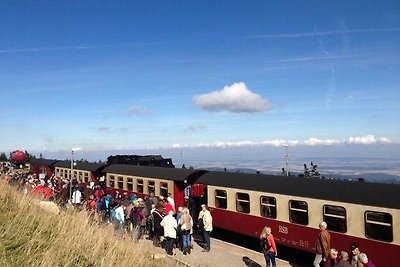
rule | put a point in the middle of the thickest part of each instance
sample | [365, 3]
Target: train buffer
[223, 254]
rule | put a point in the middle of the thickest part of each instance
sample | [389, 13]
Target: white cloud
[103, 129]
[234, 144]
[50, 49]
[312, 141]
[318, 142]
[138, 110]
[384, 140]
[367, 140]
[236, 98]
[280, 142]
[194, 128]
[178, 146]
[364, 140]
[323, 33]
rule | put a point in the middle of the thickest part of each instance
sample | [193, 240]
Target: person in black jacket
[158, 215]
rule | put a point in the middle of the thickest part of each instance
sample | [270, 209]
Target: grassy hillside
[32, 236]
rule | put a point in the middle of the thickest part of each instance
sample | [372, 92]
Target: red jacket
[48, 193]
[271, 242]
[99, 193]
[168, 207]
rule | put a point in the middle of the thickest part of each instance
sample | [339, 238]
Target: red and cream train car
[366, 213]
[84, 172]
[43, 166]
[143, 180]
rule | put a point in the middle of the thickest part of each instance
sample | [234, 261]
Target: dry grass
[32, 236]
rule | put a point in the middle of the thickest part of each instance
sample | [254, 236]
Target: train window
[268, 207]
[220, 199]
[151, 186]
[335, 217]
[379, 226]
[112, 180]
[298, 212]
[243, 202]
[130, 183]
[140, 185]
[120, 182]
[163, 189]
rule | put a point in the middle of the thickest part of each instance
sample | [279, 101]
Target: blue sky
[106, 75]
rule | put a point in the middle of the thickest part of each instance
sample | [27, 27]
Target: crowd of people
[155, 218]
[329, 257]
[158, 219]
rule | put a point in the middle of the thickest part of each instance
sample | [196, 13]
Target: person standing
[205, 218]
[179, 237]
[268, 246]
[332, 259]
[355, 250]
[186, 223]
[158, 229]
[322, 244]
[344, 260]
[363, 258]
[77, 198]
[120, 219]
[169, 224]
[140, 220]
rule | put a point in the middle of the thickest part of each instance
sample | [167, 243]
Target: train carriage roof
[44, 162]
[153, 172]
[85, 166]
[373, 194]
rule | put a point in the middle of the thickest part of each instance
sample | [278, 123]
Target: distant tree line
[3, 156]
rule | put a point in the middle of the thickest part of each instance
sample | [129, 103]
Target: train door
[198, 197]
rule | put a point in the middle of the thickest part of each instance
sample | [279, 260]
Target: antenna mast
[181, 153]
[286, 159]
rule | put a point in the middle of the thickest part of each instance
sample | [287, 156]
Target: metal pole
[286, 160]
[70, 177]
[182, 155]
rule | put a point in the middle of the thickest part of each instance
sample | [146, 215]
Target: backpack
[200, 222]
[265, 245]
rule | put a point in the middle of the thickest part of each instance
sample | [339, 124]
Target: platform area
[221, 254]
